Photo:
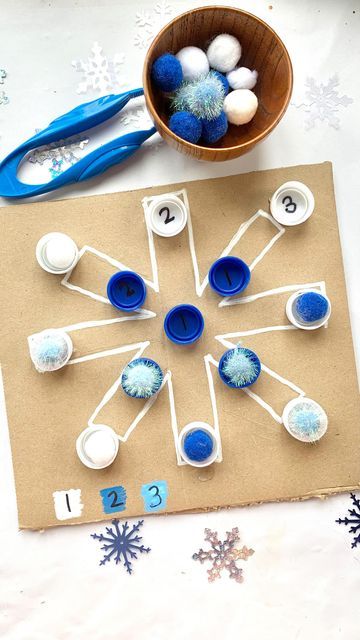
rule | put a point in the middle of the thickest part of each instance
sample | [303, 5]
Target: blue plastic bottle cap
[126, 290]
[229, 276]
[239, 367]
[184, 324]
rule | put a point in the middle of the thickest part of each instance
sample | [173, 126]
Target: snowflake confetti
[354, 520]
[100, 73]
[121, 544]
[65, 150]
[3, 97]
[148, 23]
[223, 555]
[56, 168]
[323, 103]
[3, 75]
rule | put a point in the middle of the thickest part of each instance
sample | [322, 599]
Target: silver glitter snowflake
[64, 150]
[3, 97]
[100, 74]
[223, 555]
[121, 544]
[323, 103]
[148, 23]
[136, 118]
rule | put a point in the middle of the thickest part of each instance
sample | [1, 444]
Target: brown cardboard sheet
[261, 462]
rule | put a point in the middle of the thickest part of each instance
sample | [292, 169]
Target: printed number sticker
[68, 504]
[113, 499]
[154, 495]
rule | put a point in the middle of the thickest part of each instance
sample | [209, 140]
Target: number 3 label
[154, 495]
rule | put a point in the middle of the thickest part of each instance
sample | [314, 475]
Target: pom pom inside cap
[97, 446]
[198, 444]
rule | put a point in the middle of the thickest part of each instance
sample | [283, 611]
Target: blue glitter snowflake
[121, 544]
[355, 520]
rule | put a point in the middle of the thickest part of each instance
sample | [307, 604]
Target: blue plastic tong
[85, 116]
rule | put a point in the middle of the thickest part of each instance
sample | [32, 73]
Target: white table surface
[303, 580]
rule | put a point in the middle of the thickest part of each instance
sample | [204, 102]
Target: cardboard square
[261, 462]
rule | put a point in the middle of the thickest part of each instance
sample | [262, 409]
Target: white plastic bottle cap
[305, 419]
[97, 446]
[202, 426]
[50, 350]
[168, 216]
[294, 318]
[292, 203]
[56, 253]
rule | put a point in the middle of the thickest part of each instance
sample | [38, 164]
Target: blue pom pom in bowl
[166, 72]
[185, 125]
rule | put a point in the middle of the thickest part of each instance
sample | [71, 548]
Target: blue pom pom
[167, 73]
[223, 79]
[185, 125]
[213, 130]
[198, 445]
[141, 378]
[311, 306]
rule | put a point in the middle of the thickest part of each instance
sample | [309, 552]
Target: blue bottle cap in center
[229, 276]
[184, 324]
[126, 290]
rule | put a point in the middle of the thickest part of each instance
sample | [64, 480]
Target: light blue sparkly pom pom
[141, 378]
[50, 350]
[239, 367]
[203, 97]
[306, 420]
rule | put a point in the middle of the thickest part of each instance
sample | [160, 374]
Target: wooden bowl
[262, 50]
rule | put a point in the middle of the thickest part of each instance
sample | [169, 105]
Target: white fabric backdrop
[303, 580]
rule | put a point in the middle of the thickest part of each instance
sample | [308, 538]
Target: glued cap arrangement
[203, 100]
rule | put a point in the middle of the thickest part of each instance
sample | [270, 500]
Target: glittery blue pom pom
[167, 73]
[311, 306]
[204, 97]
[198, 445]
[223, 79]
[185, 125]
[239, 367]
[141, 378]
[213, 130]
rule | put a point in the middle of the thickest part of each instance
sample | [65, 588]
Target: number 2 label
[154, 495]
[113, 499]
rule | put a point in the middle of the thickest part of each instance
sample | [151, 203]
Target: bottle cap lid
[97, 446]
[294, 316]
[198, 426]
[126, 290]
[184, 324]
[168, 216]
[57, 253]
[229, 276]
[292, 203]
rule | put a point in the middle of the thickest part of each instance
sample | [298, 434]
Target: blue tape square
[113, 499]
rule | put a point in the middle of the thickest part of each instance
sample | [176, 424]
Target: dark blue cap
[229, 276]
[126, 290]
[184, 324]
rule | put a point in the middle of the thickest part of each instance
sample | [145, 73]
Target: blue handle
[82, 118]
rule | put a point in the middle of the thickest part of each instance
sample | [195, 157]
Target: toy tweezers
[84, 117]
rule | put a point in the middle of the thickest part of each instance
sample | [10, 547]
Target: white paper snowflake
[323, 103]
[100, 74]
[148, 23]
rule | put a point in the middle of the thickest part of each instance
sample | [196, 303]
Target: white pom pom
[194, 62]
[100, 448]
[60, 252]
[240, 106]
[242, 78]
[224, 53]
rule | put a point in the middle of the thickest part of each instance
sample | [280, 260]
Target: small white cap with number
[292, 203]
[167, 215]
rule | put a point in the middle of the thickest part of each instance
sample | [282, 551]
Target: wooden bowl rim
[190, 145]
